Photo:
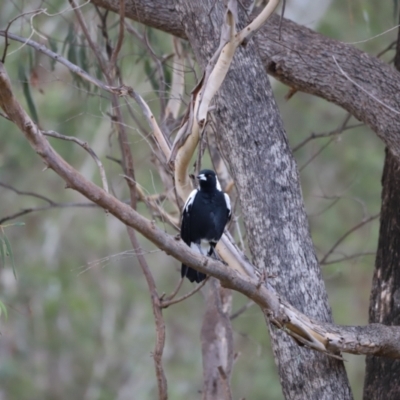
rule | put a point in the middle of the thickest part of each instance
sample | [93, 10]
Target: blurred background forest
[80, 324]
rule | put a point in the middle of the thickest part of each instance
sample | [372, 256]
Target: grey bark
[382, 377]
[254, 142]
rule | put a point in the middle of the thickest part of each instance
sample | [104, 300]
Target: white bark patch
[385, 299]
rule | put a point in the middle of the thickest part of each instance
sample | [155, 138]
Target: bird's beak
[202, 177]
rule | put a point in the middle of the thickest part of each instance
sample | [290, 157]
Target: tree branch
[300, 60]
[329, 338]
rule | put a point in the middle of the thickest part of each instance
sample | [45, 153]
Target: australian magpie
[205, 214]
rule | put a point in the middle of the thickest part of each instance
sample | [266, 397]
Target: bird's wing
[185, 225]
[228, 205]
[189, 200]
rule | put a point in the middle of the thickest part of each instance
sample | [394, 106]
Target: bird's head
[208, 180]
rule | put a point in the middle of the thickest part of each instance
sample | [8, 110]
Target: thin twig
[339, 260]
[324, 135]
[386, 49]
[44, 208]
[167, 303]
[84, 145]
[85, 29]
[3, 58]
[24, 193]
[161, 78]
[242, 310]
[71, 66]
[342, 127]
[158, 317]
[364, 90]
[343, 237]
[314, 156]
[118, 46]
[174, 293]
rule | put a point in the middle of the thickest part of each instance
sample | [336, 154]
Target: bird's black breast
[208, 216]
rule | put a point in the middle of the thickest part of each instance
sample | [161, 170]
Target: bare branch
[178, 81]
[167, 303]
[24, 193]
[118, 46]
[174, 293]
[87, 148]
[72, 67]
[352, 256]
[344, 236]
[242, 310]
[26, 211]
[343, 127]
[85, 29]
[158, 317]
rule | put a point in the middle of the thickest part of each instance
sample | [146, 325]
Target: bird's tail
[192, 274]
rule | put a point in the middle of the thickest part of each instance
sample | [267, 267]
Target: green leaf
[27, 92]
[71, 54]
[53, 47]
[83, 60]
[3, 310]
[10, 253]
[69, 38]
[2, 254]
[150, 72]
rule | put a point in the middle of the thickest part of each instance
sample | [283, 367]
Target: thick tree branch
[302, 61]
[374, 339]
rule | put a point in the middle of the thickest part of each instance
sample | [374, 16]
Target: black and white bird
[205, 214]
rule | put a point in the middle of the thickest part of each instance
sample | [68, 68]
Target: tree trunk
[382, 378]
[253, 140]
